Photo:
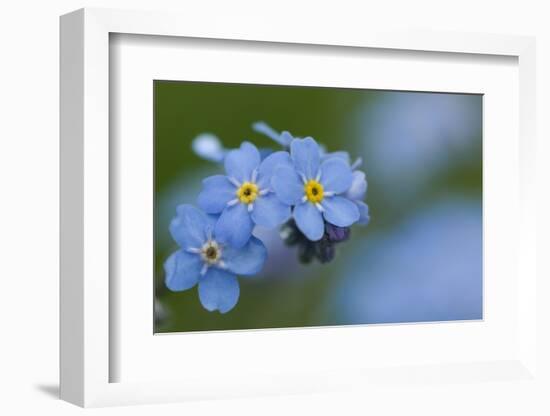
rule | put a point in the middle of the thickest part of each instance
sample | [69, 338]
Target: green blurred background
[422, 153]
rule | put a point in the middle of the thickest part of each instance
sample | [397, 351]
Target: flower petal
[239, 163]
[305, 155]
[182, 270]
[234, 227]
[336, 175]
[265, 152]
[364, 216]
[269, 211]
[358, 188]
[189, 228]
[268, 165]
[339, 155]
[216, 192]
[245, 261]
[309, 220]
[218, 290]
[287, 185]
[209, 147]
[340, 211]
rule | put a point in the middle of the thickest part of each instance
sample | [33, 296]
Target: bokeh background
[420, 258]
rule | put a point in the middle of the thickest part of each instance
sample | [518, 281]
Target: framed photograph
[419, 261]
[269, 212]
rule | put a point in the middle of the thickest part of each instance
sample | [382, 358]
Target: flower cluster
[311, 195]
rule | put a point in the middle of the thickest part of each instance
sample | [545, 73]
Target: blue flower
[357, 191]
[244, 197]
[204, 259]
[315, 187]
[209, 147]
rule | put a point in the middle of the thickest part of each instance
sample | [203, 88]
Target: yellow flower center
[314, 191]
[211, 252]
[247, 193]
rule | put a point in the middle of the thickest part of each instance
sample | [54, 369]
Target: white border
[85, 201]
[136, 61]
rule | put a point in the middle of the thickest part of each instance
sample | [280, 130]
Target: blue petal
[305, 155]
[212, 219]
[216, 192]
[265, 152]
[234, 227]
[268, 166]
[287, 185]
[364, 217]
[340, 211]
[218, 290]
[182, 270]
[240, 163]
[269, 211]
[358, 188]
[209, 147]
[245, 261]
[309, 220]
[336, 175]
[339, 155]
[190, 227]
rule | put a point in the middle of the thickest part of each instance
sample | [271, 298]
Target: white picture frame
[86, 356]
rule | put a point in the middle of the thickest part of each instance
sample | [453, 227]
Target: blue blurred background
[420, 258]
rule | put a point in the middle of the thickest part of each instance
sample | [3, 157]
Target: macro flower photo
[283, 206]
[244, 198]
[203, 259]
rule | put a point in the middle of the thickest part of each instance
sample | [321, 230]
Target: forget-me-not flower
[358, 188]
[209, 147]
[243, 197]
[316, 188]
[204, 259]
